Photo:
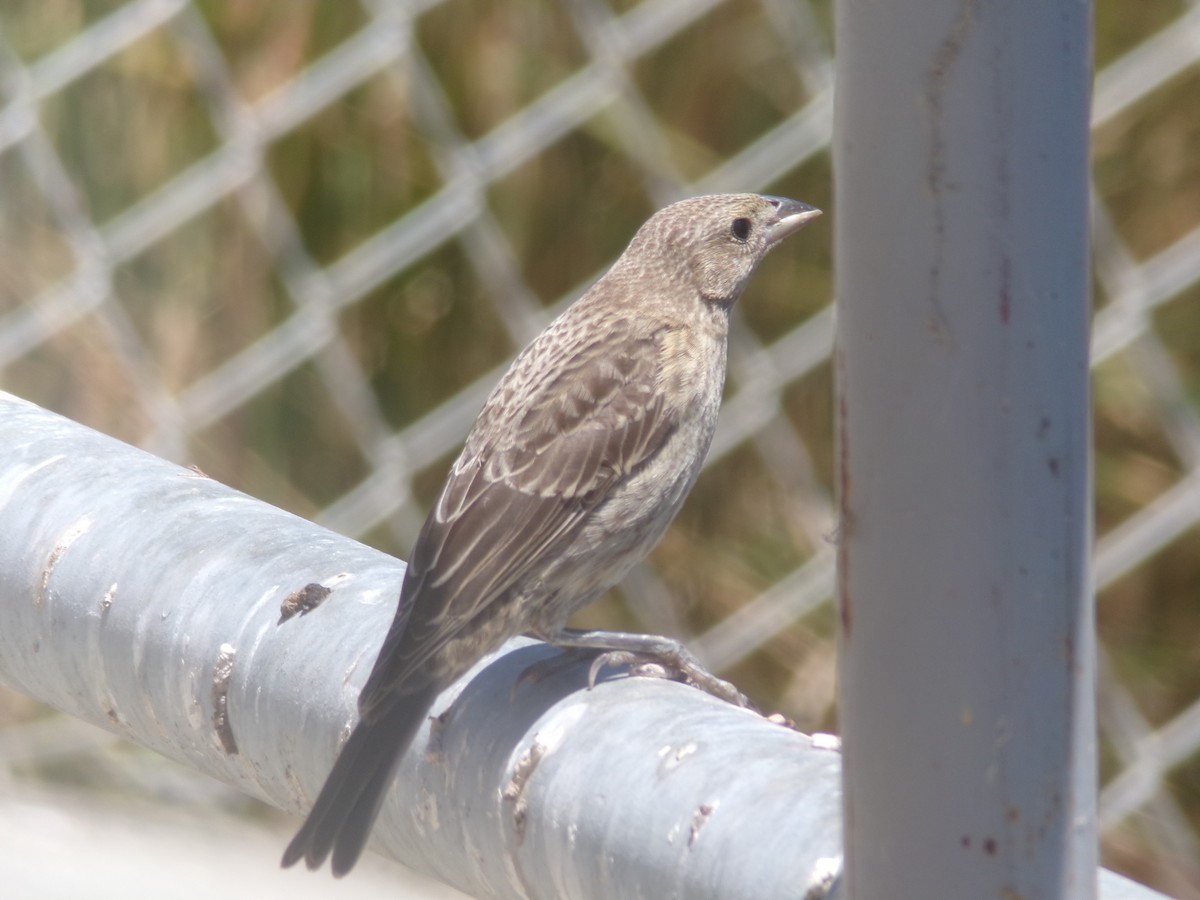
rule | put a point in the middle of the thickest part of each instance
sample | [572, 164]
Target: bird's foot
[649, 656]
[684, 668]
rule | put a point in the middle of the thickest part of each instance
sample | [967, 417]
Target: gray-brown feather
[517, 496]
[582, 454]
[579, 460]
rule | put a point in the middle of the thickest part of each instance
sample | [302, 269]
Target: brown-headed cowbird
[580, 458]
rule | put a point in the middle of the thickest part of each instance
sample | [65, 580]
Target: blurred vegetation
[211, 289]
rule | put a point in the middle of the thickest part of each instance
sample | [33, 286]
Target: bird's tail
[346, 808]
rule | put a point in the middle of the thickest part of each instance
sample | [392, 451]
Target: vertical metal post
[967, 653]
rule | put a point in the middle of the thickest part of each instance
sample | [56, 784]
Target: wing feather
[519, 492]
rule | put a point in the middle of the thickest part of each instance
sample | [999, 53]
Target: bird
[580, 458]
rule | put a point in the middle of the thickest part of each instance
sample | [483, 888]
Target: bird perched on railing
[580, 459]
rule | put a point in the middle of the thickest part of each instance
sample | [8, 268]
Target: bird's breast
[692, 374]
[691, 381]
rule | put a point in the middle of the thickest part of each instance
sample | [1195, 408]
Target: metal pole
[967, 652]
[145, 598]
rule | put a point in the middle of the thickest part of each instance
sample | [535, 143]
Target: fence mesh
[296, 243]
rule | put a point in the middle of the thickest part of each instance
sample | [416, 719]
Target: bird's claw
[676, 667]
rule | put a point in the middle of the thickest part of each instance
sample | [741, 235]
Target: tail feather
[349, 802]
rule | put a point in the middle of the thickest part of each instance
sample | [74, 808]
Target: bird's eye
[741, 229]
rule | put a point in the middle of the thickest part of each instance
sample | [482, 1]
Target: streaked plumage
[579, 460]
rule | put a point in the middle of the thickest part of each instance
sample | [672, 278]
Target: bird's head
[714, 243]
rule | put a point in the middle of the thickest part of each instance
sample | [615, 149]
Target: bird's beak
[792, 215]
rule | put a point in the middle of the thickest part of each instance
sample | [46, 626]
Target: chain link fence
[294, 244]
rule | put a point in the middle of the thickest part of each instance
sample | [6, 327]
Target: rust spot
[222, 675]
[1005, 290]
[435, 748]
[845, 608]
[55, 554]
[781, 719]
[933, 101]
[843, 453]
[514, 791]
[989, 846]
[845, 523]
[703, 813]
[302, 601]
[965, 841]
[1053, 465]
[69, 537]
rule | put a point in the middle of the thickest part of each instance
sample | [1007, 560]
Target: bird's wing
[521, 488]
